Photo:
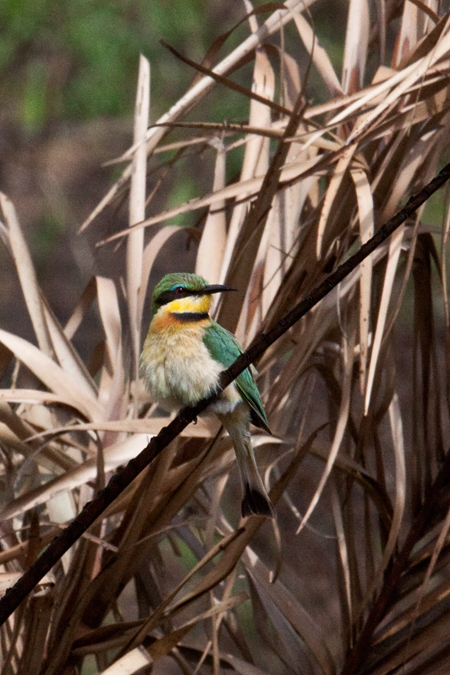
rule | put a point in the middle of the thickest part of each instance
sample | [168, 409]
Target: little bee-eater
[184, 353]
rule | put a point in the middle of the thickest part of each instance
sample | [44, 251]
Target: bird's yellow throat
[171, 314]
[199, 304]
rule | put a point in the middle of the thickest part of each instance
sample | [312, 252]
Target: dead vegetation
[354, 576]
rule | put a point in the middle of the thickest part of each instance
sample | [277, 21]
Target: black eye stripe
[174, 294]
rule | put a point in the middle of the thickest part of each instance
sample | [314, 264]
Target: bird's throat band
[187, 317]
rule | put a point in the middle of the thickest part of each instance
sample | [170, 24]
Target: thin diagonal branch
[17, 593]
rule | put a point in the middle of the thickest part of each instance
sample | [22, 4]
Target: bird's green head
[185, 292]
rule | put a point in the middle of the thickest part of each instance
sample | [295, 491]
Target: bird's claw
[186, 417]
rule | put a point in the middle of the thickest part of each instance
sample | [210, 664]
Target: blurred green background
[77, 60]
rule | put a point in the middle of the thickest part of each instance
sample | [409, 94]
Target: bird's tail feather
[257, 503]
[256, 500]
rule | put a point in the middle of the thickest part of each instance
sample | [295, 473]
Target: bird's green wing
[224, 347]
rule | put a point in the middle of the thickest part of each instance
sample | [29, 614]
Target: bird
[183, 355]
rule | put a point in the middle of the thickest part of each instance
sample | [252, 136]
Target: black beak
[216, 288]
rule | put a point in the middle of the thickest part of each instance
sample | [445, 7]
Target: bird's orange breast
[177, 367]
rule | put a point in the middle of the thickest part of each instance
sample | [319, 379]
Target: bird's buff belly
[180, 373]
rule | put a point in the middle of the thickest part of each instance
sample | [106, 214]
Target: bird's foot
[186, 416]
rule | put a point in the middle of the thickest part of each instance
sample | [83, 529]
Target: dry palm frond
[356, 392]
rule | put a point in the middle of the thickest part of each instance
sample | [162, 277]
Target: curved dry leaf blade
[319, 55]
[344, 410]
[66, 354]
[394, 253]
[344, 557]
[47, 329]
[108, 303]
[51, 375]
[214, 235]
[135, 242]
[366, 228]
[398, 443]
[256, 154]
[335, 183]
[34, 396]
[356, 43]
[151, 252]
[130, 663]
[289, 646]
[256, 161]
[86, 299]
[165, 645]
[295, 615]
[26, 274]
[408, 35]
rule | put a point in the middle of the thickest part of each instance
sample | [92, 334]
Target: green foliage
[78, 59]
[34, 102]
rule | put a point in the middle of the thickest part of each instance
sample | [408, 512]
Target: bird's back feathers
[225, 349]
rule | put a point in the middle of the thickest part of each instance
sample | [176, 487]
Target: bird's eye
[179, 290]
